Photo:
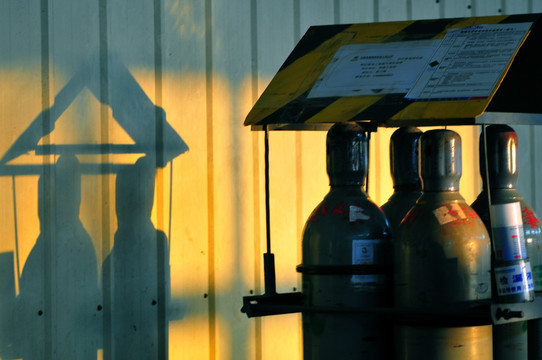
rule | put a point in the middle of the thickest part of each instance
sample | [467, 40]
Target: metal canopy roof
[332, 75]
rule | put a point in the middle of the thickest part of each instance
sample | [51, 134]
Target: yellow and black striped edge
[285, 102]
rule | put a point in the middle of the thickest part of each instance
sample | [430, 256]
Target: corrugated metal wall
[139, 75]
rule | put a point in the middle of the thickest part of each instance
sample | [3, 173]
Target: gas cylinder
[509, 208]
[347, 259]
[442, 260]
[404, 166]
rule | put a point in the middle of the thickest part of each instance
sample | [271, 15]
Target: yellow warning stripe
[442, 109]
[344, 109]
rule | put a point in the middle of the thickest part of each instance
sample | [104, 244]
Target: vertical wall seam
[104, 120]
[210, 178]
[473, 8]
[298, 142]
[15, 230]
[298, 168]
[159, 114]
[336, 11]
[298, 138]
[297, 21]
[376, 11]
[45, 104]
[299, 184]
[105, 180]
[45, 79]
[409, 9]
[256, 174]
[161, 260]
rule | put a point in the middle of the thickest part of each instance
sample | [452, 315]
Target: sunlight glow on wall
[298, 183]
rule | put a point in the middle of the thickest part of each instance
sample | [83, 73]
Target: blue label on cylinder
[514, 279]
[509, 243]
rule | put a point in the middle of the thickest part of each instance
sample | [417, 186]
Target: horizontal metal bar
[461, 314]
[477, 313]
[485, 118]
[91, 149]
[85, 169]
[344, 269]
[293, 127]
[509, 118]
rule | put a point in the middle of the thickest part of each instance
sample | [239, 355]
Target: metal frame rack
[287, 104]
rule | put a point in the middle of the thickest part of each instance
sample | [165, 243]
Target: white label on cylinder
[514, 279]
[356, 213]
[508, 235]
[448, 213]
[367, 252]
[507, 214]
[363, 251]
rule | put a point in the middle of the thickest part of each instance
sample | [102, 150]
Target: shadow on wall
[137, 271]
[59, 293]
[61, 312]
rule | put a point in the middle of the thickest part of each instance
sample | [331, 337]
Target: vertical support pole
[268, 257]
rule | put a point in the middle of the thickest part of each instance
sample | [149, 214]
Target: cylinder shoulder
[441, 220]
[336, 224]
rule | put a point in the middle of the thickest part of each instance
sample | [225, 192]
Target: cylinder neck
[346, 152]
[440, 160]
[502, 147]
[404, 159]
[346, 191]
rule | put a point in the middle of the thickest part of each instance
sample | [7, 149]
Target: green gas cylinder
[404, 166]
[442, 260]
[347, 260]
[522, 253]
